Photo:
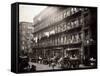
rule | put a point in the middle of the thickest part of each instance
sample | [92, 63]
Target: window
[86, 34]
[55, 40]
[77, 37]
[68, 26]
[76, 22]
[61, 16]
[85, 9]
[68, 13]
[72, 38]
[80, 9]
[55, 28]
[65, 14]
[61, 39]
[86, 19]
[72, 24]
[76, 10]
[64, 26]
[60, 28]
[81, 21]
[67, 41]
[72, 10]
[64, 39]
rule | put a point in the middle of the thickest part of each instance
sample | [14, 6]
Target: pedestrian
[33, 68]
[53, 65]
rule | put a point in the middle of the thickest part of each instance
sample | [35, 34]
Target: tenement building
[25, 37]
[65, 31]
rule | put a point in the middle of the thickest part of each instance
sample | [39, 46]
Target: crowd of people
[66, 62]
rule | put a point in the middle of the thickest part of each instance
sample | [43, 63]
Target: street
[47, 67]
[44, 67]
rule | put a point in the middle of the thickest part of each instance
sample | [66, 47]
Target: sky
[28, 12]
